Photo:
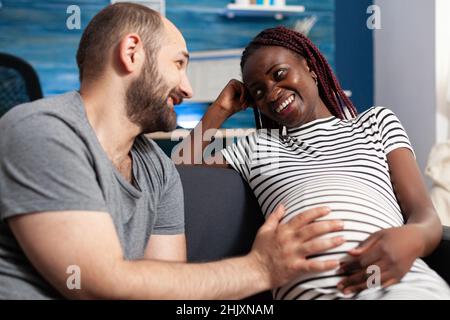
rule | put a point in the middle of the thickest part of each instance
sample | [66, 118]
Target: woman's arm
[416, 204]
[231, 100]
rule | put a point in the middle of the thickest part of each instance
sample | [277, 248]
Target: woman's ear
[310, 70]
[306, 64]
[314, 76]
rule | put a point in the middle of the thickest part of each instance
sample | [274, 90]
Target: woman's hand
[392, 250]
[232, 99]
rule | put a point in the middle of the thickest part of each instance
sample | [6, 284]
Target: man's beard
[146, 102]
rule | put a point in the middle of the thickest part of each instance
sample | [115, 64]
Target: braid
[330, 90]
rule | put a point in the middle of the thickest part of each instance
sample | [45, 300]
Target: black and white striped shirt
[330, 162]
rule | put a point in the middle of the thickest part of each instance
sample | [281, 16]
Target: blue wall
[36, 31]
[354, 51]
[205, 28]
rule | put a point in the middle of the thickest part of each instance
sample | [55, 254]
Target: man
[82, 189]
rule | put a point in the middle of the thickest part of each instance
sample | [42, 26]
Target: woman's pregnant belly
[364, 211]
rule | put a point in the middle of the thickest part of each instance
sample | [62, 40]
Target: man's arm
[167, 248]
[53, 241]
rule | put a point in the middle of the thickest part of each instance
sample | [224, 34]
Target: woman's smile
[284, 105]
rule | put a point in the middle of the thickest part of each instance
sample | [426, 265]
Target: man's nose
[186, 88]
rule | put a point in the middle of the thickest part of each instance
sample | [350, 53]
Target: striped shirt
[330, 162]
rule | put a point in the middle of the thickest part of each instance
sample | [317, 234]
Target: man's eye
[279, 74]
[179, 64]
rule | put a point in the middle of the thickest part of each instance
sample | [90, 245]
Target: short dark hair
[106, 29]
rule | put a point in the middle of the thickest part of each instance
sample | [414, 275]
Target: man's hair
[106, 29]
[330, 90]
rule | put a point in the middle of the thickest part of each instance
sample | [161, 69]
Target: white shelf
[157, 5]
[278, 12]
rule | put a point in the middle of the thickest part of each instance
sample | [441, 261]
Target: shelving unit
[276, 10]
[158, 5]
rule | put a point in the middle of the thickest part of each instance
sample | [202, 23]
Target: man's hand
[392, 250]
[282, 249]
[232, 99]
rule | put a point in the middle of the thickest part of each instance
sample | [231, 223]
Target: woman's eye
[279, 74]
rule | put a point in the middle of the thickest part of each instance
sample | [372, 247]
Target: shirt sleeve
[170, 210]
[393, 135]
[45, 166]
[240, 154]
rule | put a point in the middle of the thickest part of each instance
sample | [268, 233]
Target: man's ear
[131, 52]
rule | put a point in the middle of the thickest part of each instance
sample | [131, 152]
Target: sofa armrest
[439, 260]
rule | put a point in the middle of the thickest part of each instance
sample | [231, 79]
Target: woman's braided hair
[330, 90]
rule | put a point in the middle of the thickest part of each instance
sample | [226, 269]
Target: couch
[222, 217]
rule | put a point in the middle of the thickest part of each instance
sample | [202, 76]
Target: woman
[322, 154]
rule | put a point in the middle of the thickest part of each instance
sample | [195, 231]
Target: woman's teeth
[285, 104]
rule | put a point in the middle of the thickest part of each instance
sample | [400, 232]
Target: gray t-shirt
[51, 160]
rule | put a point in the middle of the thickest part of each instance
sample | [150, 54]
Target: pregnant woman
[316, 151]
